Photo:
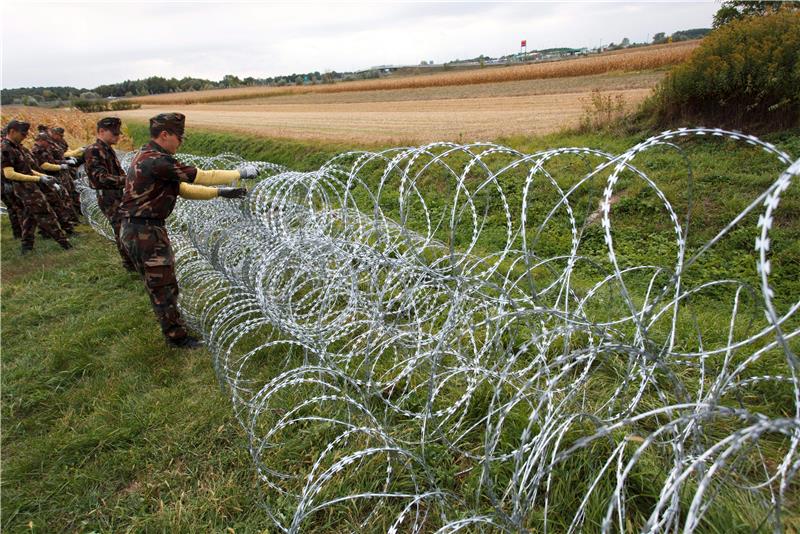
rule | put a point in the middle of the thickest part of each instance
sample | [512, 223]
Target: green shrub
[745, 74]
[89, 106]
[118, 105]
[92, 106]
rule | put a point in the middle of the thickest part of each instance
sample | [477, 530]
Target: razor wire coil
[400, 316]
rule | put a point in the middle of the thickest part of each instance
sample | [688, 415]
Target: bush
[745, 74]
[602, 112]
[89, 106]
[118, 105]
[92, 106]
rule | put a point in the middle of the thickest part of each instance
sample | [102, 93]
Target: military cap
[58, 129]
[42, 128]
[111, 124]
[171, 122]
[20, 126]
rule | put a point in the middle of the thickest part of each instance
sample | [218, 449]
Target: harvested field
[629, 60]
[471, 113]
[617, 81]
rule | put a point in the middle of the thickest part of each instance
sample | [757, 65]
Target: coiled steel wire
[409, 350]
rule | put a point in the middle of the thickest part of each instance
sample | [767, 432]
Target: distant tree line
[683, 35]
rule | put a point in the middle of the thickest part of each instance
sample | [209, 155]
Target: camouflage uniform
[107, 178]
[35, 209]
[151, 190]
[46, 151]
[69, 176]
[13, 206]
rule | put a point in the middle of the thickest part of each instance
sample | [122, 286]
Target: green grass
[106, 429]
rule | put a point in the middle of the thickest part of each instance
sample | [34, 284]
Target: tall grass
[651, 57]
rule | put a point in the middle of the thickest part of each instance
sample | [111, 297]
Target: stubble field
[464, 113]
[461, 106]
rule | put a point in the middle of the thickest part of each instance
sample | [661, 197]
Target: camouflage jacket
[102, 167]
[45, 150]
[152, 184]
[17, 156]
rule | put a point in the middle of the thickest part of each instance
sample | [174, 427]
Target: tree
[625, 42]
[659, 38]
[738, 9]
[229, 80]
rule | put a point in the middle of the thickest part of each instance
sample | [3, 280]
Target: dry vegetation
[79, 128]
[396, 122]
[651, 57]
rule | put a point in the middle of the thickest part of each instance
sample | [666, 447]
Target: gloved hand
[7, 188]
[72, 162]
[64, 166]
[57, 187]
[232, 192]
[248, 171]
[47, 180]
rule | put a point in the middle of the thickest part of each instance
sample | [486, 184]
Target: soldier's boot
[26, 249]
[66, 245]
[188, 342]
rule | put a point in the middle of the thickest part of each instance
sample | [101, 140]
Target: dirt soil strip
[406, 121]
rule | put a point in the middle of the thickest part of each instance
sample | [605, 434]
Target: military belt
[144, 220]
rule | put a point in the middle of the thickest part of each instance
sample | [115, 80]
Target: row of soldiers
[136, 203]
[38, 186]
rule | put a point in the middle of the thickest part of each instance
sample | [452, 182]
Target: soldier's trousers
[109, 201]
[58, 203]
[149, 249]
[13, 208]
[36, 212]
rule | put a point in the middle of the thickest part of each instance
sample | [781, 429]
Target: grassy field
[107, 430]
[634, 59]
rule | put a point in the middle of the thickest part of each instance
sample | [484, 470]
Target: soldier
[46, 151]
[107, 178]
[155, 179]
[75, 159]
[13, 206]
[19, 167]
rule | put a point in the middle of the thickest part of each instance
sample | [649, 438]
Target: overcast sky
[85, 44]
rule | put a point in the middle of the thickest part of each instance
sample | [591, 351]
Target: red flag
[524, 42]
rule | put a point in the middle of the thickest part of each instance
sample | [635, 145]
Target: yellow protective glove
[217, 177]
[47, 166]
[74, 153]
[197, 192]
[11, 174]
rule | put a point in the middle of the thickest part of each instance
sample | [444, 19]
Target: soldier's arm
[10, 174]
[197, 192]
[97, 172]
[216, 177]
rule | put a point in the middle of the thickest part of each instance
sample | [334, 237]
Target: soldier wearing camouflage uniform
[46, 151]
[75, 159]
[155, 180]
[20, 168]
[107, 178]
[11, 202]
